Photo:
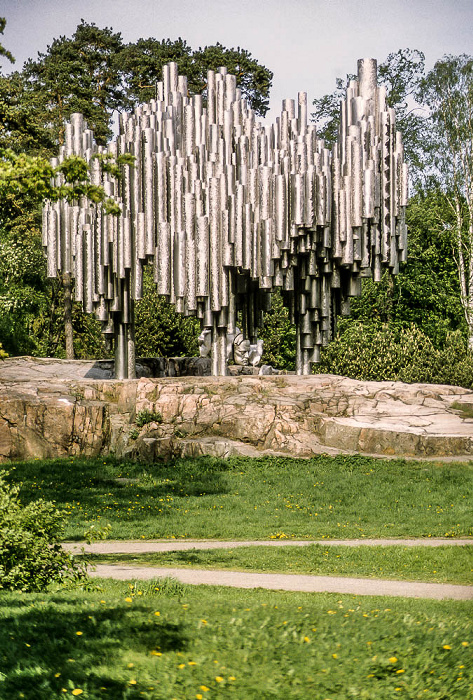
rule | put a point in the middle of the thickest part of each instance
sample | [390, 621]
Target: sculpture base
[53, 408]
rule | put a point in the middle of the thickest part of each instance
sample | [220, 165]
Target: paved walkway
[290, 582]
[149, 546]
[287, 582]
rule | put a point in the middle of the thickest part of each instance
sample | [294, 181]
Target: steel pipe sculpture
[228, 210]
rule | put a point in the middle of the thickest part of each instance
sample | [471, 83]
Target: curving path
[290, 582]
[177, 545]
[287, 582]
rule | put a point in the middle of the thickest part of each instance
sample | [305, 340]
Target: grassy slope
[342, 497]
[219, 643]
[436, 564]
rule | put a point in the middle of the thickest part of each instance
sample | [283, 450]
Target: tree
[447, 91]
[79, 74]
[426, 291]
[3, 51]
[142, 63]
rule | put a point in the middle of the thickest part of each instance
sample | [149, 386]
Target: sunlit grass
[434, 564]
[163, 640]
[242, 498]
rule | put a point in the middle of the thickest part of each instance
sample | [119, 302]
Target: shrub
[279, 335]
[378, 352]
[31, 557]
[145, 416]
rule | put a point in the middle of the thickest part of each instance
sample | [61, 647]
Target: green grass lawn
[162, 640]
[434, 564]
[241, 498]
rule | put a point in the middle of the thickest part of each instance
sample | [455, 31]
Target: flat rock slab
[149, 546]
[290, 582]
[54, 408]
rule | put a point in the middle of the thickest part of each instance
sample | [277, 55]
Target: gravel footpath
[148, 546]
[286, 582]
[290, 582]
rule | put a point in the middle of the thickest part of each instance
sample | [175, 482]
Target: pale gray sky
[306, 43]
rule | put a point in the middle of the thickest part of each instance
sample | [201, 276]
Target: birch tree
[447, 92]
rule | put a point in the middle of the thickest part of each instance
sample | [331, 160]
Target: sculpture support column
[121, 354]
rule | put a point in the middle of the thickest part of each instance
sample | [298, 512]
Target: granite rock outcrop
[51, 408]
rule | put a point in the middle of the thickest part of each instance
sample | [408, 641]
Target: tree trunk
[68, 332]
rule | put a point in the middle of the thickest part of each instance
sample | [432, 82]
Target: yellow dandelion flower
[157, 613]
[334, 656]
[79, 634]
[128, 600]
[130, 665]
[392, 659]
[447, 646]
[77, 691]
[465, 644]
[219, 679]
[401, 670]
[231, 678]
[204, 688]
[56, 675]
[306, 639]
[204, 622]
[199, 696]
[133, 682]
[155, 653]
[181, 666]
[192, 663]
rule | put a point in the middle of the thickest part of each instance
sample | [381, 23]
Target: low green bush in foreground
[163, 640]
[434, 564]
[268, 498]
[31, 557]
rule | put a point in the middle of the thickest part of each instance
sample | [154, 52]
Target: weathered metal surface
[229, 210]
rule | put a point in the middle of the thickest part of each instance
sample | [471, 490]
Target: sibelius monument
[227, 210]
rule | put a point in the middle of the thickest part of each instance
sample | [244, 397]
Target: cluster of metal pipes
[227, 210]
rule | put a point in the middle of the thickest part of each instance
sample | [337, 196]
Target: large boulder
[52, 408]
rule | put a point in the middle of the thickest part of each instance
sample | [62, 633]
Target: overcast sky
[306, 43]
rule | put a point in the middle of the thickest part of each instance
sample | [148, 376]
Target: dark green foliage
[160, 330]
[279, 336]
[79, 74]
[426, 292]
[31, 557]
[3, 51]
[142, 63]
[377, 352]
[145, 416]
[253, 79]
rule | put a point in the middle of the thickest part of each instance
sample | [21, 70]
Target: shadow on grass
[88, 481]
[42, 652]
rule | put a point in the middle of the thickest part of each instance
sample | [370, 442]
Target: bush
[379, 352]
[159, 330]
[279, 336]
[31, 557]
